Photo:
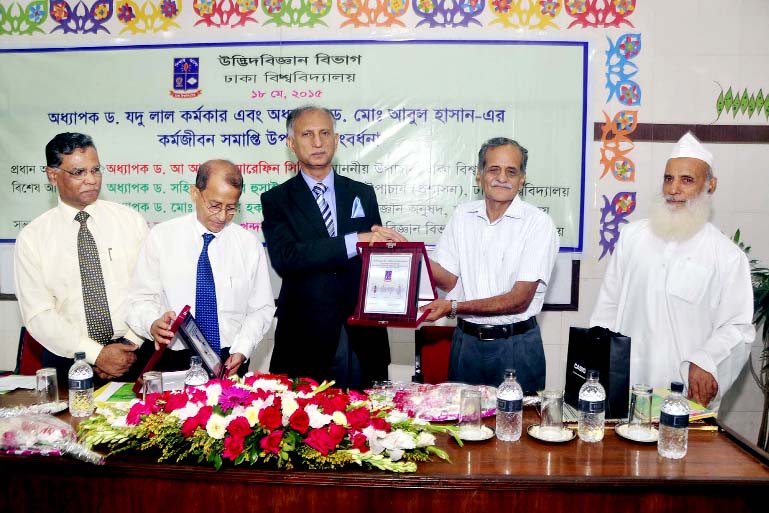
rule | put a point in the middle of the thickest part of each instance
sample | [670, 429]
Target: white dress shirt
[679, 302]
[47, 274]
[166, 273]
[488, 258]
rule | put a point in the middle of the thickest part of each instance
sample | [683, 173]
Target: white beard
[679, 224]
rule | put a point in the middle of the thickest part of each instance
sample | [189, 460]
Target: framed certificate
[396, 280]
[193, 338]
[185, 326]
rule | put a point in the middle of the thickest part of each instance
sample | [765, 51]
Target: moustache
[504, 185]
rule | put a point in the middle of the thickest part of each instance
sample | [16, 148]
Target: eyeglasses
[80, 173]
[216, 208]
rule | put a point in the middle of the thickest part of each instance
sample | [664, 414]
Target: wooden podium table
[615, 475]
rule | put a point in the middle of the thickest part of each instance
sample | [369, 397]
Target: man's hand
[438, 309]
[703, 387]
[115, 360]
[233, 363]
[160, 329]
[381, 234]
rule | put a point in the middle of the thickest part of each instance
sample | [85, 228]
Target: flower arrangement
[267, 419]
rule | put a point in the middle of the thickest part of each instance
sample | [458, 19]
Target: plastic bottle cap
[592, 374]
[80, 355]
[677, 386]
[509, 373]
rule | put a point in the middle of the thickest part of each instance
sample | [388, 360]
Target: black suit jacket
[320, 284]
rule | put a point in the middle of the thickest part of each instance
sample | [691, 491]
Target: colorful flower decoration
[600, 13]
[525, 14]
[297, 13]
[23, 20]
[78, 18]
[267, 419]
[448, 13]
[152, 16]
[620, 69]
[377, 13]
[616, 144]
[613, 215]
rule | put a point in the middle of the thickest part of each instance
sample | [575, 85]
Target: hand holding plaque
[395, 278]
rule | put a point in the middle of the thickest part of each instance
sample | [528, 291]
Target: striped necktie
[206, 312]
[325, 209]
[97, 316]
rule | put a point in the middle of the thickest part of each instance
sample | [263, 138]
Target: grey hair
[496, 142]
[294, 114]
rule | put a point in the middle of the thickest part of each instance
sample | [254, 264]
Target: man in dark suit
[312, 223]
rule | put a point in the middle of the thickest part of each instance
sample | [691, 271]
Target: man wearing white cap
[680, 288]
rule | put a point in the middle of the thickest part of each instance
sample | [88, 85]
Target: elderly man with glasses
[73, 266]
[215, 266]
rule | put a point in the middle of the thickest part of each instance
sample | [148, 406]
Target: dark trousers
[483, 362]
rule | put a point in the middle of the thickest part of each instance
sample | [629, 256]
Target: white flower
[425, 439]
[190, 410]
[216, 426]
[396, 454]
[212, 394]
[288, 407]
[269, 385]
[396, 416]
[399, 439]
[252, 415]
[317, 419]
[339, 418]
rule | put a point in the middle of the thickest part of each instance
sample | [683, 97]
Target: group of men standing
[90, 276]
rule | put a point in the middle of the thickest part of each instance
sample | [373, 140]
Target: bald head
[225, 169]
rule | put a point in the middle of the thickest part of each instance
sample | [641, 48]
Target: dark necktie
[206, 312]
[95, 302]
[325, 209]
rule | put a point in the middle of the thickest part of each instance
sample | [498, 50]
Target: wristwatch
[453, 313]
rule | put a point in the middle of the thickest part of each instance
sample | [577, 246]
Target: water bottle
[196, 375]
[509, 408]
[592, 397]
[80, 387]
[674, 424]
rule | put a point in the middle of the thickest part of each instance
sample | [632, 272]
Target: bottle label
[590, 406]
[80, 384]
[509, 406]
[674, 421]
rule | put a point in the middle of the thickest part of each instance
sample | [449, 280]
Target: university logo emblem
[388, 276]
[186, 82]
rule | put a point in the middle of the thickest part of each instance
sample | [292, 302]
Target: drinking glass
[46, 385]
[470, 410]
[640, 412]
[153, 383]
[551, 414]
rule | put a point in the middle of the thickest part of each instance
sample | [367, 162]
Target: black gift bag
[607, 352]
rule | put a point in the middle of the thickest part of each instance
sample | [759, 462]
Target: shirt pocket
[688, 280]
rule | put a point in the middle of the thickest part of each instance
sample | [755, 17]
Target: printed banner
[411, 118]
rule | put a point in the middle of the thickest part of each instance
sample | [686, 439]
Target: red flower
[239, 427]
[271, 442]
[337, 433]
[270, 418]
[359, 418]
[360, 442]
[380, 424]
[305, 385]
[199, 420]
[135, 413]
[299, 421]
[175, 402]
[331, 402]
[320, 440]
[233, 446]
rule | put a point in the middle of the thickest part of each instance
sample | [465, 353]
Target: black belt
[495, 331]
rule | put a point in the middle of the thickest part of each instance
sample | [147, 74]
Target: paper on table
[116, 391]
[8, 383]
